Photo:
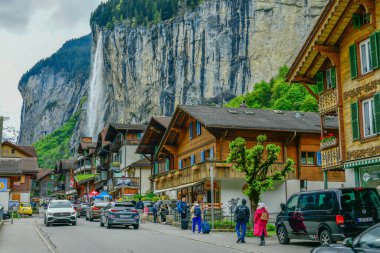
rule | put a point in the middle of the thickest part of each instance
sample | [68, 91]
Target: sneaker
[238, 240]
[242, 241]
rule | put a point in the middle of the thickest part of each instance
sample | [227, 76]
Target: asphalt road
[151, 238]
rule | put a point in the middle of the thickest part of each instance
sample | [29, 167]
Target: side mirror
[283, 207]
[348, 242]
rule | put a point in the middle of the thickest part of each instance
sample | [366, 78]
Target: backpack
[264, 216]
[197, 211]
[241, 210]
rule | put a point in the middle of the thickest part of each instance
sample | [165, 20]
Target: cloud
[15, 15]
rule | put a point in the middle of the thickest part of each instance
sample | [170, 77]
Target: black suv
[328, 215]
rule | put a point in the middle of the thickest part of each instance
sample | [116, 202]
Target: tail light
[134, 211]
[359, 189]
[114, 210]
[339, 219]
[95, 208]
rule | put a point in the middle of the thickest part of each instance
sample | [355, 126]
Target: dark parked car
[93, 212]
[366, 242]
[328, 215]
[119, 213]
[82, 209]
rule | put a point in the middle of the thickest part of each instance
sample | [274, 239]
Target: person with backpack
[241, 217]
[196, 216]
[260, 222]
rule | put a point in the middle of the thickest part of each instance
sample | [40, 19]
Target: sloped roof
[144, 162]
[257, 119]
[16, 166]
[26, 150]
[29, 149]
[163, 120]
[43, 173]
[67, 164]
[114, 128]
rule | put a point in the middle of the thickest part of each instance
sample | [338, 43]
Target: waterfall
[97, 94]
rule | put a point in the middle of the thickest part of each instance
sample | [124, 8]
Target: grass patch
[82, 177]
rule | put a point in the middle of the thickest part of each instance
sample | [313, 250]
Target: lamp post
[212, 190]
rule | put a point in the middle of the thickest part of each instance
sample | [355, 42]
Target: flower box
[195, 167]
[328, 141]
[177, 173]
[162, 178]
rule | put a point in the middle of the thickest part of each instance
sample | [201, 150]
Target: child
[145, 214]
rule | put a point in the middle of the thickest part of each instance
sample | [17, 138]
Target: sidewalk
[228, 240]
[20, 237]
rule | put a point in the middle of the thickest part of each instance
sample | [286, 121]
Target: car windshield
[60, 205]
[360, 197]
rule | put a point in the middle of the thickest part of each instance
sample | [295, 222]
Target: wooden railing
[201, 172]
[328, 101]
[331, 158]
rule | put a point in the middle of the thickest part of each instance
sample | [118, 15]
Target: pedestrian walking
[156, 207]
[241, 217]
[145, 214]
[140, 207]
[260, 223]
[196, 216]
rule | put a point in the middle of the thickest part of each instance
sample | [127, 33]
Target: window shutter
[377, 112]
[319, 158]
[192, 159]
[167, 165]
[353, 61]
[211, 152]
[180, 164]
[355, 121]
[333, 77]
[356, 20]
[199, 128]
[155, 168]
[374, 50]
[319, 80]
[191, 130]
[202, 156]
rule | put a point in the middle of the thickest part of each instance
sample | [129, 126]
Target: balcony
[130, 182]
[328, 102]
[331, 158]
[201, 172]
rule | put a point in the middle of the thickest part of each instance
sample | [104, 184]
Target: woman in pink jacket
[260, 222]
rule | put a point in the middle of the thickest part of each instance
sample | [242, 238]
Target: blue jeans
[197, 220]
[243, 229]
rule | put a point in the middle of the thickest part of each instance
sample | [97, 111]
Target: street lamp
[212, 189]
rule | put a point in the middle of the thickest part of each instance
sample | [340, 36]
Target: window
[203, 156]
[180, 164]
[307, 202]
[307, 158]
[330, 78]
[13, 151]
[292, 204]
[369, 240]
[192, 159]
[199, 128]
[365, 56]
[191, 130]
[368, 107]
[325, 201]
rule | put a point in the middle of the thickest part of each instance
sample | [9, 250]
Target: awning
[362, 162]
[178, 187]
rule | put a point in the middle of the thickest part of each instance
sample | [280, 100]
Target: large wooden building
[197, 140]
[342, 57]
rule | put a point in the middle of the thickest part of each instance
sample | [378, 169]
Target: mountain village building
[341, 57]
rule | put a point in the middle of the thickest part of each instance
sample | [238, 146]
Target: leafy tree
[255, 162]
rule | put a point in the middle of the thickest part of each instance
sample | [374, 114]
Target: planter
[331, 142]
[195, 167]
[177, 173]
[162, 178]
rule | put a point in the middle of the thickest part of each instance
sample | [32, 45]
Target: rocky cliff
[53, 88]
[204, 56]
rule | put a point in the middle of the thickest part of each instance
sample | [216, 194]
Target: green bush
[270, 227]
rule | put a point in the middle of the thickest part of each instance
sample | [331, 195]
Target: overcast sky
[29, 31]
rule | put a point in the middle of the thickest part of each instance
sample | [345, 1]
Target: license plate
[365, 219]
[125, 216]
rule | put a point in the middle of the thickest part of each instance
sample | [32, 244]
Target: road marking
[47, 242]
[199, 240]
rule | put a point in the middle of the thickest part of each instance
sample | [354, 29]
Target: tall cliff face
[204, 56]
[53, 88]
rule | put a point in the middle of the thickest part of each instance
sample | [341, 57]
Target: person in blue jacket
[182, 208]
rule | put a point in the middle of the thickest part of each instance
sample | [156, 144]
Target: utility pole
[1, 132]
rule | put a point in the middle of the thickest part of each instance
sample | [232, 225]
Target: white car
[60, 211]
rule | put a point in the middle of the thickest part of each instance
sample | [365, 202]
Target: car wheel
[325, 238]
[108, 225]
[135, 226]
[101, 223]
[282, 235]
[74, 223]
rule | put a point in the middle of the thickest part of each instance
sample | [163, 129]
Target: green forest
[56, 145]
[73, 58]
[278, 95]
[138, 12]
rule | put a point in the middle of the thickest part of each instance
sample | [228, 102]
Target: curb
[203, 241]
[51, 247]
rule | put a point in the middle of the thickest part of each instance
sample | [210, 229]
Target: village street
[24, 236]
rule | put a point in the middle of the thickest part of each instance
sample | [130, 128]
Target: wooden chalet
[103, 156]
[341, 56]
[197, 139]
